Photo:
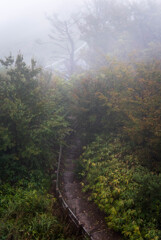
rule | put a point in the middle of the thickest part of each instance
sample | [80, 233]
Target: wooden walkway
[87, 213]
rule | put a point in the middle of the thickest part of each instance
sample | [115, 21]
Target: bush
[128, 193]
[27, 212]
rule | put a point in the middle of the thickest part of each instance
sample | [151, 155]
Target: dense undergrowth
[118, 111]
[32, 126]
[128, 193]
[28, 211]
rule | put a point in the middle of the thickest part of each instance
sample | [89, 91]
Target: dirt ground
[86, 211]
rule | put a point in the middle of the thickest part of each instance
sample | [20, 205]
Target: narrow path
[87, 212]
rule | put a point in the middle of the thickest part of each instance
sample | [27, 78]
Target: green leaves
[128, 193]
[122, 99]
[26, 211]
[32, 116]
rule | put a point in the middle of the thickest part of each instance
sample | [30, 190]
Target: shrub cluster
[27, 211]
[128, 193]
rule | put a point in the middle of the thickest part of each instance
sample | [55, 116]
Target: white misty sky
[23, 21]
[12, 10]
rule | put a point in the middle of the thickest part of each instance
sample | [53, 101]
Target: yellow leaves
[82, 184]
[127, 233]
[136, 229]
[102, 97]
[115, 181]
[118, 190]
[102, 179]
[130, 89]
[113, 211]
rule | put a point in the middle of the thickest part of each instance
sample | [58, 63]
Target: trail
[86, 211]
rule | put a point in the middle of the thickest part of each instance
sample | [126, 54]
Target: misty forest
[102, 90]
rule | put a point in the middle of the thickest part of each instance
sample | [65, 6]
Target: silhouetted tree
[65, 37]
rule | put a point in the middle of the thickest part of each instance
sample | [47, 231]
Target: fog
[73, 34]
[23, 25]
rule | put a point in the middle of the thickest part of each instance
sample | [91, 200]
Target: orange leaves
[123, 99]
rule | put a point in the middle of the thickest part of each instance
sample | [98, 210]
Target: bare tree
[65, 37]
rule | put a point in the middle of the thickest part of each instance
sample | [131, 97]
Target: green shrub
[128, 193]
[27, 212]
